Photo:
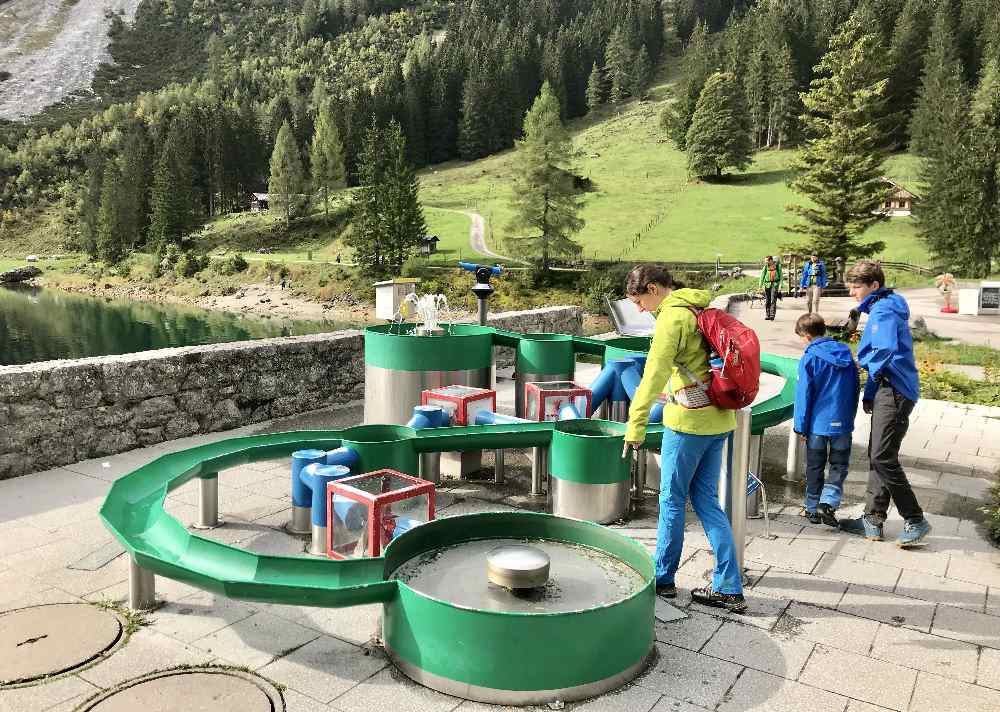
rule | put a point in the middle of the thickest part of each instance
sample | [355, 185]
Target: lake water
[45, 324]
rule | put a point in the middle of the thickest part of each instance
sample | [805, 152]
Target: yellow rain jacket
[676, 342]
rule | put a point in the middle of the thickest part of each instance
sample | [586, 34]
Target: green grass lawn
[453, 230]
[640, 187]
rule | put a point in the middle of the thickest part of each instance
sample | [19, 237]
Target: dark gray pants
[771, 301]
[886, 479]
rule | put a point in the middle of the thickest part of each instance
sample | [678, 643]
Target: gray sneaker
[913, 533]
[863, 526]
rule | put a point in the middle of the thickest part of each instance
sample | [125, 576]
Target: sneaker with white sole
[913, 533]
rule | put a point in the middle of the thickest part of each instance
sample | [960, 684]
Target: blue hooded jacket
[826, 397]
[807, 270]
[886, 348]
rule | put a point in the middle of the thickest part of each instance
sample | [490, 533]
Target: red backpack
[734, 383]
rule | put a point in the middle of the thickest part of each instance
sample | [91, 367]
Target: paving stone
[689, 676]
[970, 626]
[988, 674]
[14, 586]
[667, 612]
[942, 590]
[774, 653]
[82, 583]
[672, 704]
[277, 488]
[691, 633]
[781, 530]
[972, 487]
[759, 692]
[391, 690]
[356, 624]
[44, 697]
[831, 628]
[628, 699]
[198, 615]
[190, 493]
[887, 607]
[779, 553]
[941, 694]
[247, 476]
[859, 706]
[930, 653]
[859, 677]
[251, 507]
[863, 573]
[297, 702]
[145, 652]
[975, 570]
[325, 668]
[827, 540]
[920, 559]
[763, 611]
[20, 536]
[801, 587]
[698, 566]
[256, 641]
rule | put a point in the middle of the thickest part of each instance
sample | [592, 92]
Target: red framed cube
[461, 402]
[365, 512]
[543, 399]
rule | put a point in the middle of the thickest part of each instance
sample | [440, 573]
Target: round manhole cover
[47, 640]
[190, 690]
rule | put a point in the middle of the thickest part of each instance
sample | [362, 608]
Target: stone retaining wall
[57, 412]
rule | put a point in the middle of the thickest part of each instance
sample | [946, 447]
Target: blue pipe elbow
[428, 416]
[569, 412]
[316, 477]
[353, 515]
[485, 417]
[656, 413]
[631, 377]
[618, 394]
[342, 456]
[602, 386]
[301, 496]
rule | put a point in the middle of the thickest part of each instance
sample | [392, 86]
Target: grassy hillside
[640, 186]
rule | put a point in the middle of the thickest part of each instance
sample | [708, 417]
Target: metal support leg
[539, 469]
[430, 467]
[208, 502]
[499, 467]
[141, 587]
[793, 463]
[639, 465]
[733, 482]
[756, 459]
[317, 544]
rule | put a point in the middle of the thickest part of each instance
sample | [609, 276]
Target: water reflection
[44, 324]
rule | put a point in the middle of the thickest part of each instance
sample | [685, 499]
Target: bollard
[498, 467]
[539, 469]
[793, 463]
[316, 477]
[301, 496]
[430, 467]
[733, 481]
[756, 467]
[208, 502]
[141, 587]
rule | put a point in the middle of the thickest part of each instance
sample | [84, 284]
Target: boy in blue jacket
[893, 387]
[826, 400]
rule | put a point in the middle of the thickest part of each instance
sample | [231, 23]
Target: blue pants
[689, 466]
[820, 449]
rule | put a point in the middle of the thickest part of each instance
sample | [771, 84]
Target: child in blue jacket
[826, 400]
[892, 390]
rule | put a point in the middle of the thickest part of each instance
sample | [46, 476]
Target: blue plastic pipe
[568, 411]
[485, 417]
[351, 512]
[656, 413]
[618, 394]
[603, 386]
[429, 416]
[316, 477]
[342, 456]
[472, 267]
[301, 496]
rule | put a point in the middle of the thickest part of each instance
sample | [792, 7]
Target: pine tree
[699, 64]
[719, 136]
[90, 203]
[135, 183]
[327, 157]
[544, 199]
[960, 210]
[840, 168]
[642, 74]
[618, 58]
[474, 128]
[173, 202]
[287, 180]
[906, 58]
[942, 76]
[756, 89]
[388, 219]
[784, 98]
[595, 88]
[111, 217]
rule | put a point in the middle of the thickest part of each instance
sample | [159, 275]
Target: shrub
[233, 264]
[190, 264]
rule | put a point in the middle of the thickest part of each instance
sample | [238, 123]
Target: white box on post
[389, 296]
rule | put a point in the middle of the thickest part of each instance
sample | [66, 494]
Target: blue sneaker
[863, 526]
[913, 533]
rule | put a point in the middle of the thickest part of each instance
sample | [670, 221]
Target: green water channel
[45, 324]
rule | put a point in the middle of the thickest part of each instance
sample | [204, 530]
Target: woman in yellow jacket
[695, 431]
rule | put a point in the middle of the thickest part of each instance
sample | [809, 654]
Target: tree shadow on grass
[778, 175]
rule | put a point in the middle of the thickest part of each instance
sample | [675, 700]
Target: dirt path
[477, 237]
[51, 48]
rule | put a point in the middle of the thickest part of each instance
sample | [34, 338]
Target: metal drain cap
[518, 566]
